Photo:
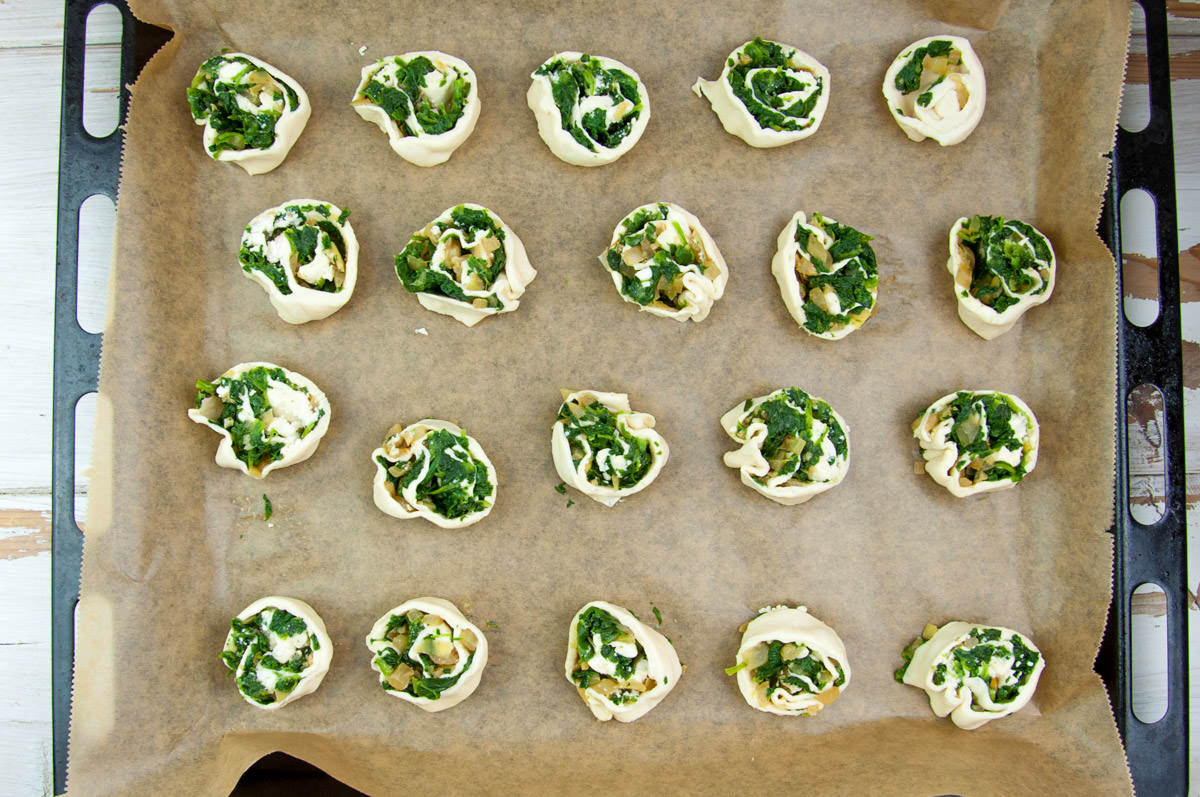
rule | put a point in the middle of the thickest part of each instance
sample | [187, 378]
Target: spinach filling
[248, 649]
[304, 234]
[793, 447]
[618, 459]
[215, 100]
[853, 282]
[796, 668]
[1012, 260]
[982, 427]
[908, 79]
[594, 621]
[421, 665]
[772, 77]
[656, 275]
[454, 485]
[254, 442]
[397, 89]
[421, 273]
[573, 82]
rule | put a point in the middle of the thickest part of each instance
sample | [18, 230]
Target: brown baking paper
[176, 545]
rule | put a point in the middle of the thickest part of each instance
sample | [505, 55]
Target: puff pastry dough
[790, 663]
[278, 651]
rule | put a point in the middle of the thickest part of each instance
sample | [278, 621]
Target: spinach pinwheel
[975, 673]
[603, 448]
[793, 445]
[268, 417]
[1000, 269]
[467, 264]
[935, 89]
[790, 663]
[976, 441]
[277, 651]
[304, 255]
[827, 275]
[426, 102]
[252, 113]
[664, 261]
[620, 667]
[769, 94]
[435, 470]
[590, 109]
[428, 653]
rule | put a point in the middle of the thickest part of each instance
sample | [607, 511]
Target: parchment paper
[176, 545]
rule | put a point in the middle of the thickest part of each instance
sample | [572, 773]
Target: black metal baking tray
[1152, 355]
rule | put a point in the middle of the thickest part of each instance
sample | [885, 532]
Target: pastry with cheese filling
[427, 103]
[603, 448]
[467, 264]
[664, 261]
[768, 94]
[790, 663]
[434, 470]
[252, 113]
[1001, 269]
[620, 667]
[428, 653]
[268, 417]
[793, 445]
[827, 275]
[975, 673]
[590, 109]
[277, 651]
[304, 255]
[976, 441]
[935, 89]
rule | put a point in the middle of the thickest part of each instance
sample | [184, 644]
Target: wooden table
[30, 74]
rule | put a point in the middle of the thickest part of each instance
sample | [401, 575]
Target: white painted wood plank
[25, 714]
[38, 23]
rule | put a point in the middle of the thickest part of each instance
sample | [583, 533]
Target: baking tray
[1152, 355]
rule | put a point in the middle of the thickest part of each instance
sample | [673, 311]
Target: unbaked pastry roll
[793, 445]
[268, 417]
[1001, 269]
[435, 470]
[976, 441]
[620, 667]
[769, 94]
[467, 264]
[790, 662]
[252, 113]
[663, 260]
[974, 673]
[428, 653]
[935, 88]
[590, 109]
[827, 275]
[304, 255]
[426, 102]
[278, 651]
[603, 448]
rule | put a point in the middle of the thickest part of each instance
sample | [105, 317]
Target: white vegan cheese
[621, 667]
[790, 663]
[603, 448]
[428, 653]
[434, 470]
[977, 441]
[768, 94]
[268, 417]
[936, 89]
[278, 651]
[304, 254]
[806, 453]
[252, 113]
[1001, 269]
[590, 110]
[973, 673]
[427, 102]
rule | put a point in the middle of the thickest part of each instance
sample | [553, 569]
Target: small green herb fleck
[267, 510]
